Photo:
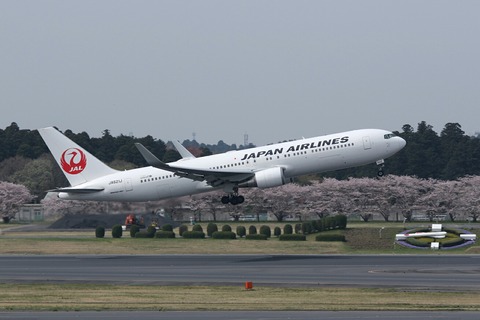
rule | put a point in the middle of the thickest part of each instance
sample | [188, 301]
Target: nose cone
[401, 143]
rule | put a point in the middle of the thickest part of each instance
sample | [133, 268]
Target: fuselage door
[366, 143]
[128, 185]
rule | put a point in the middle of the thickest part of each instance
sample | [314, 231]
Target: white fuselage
[299, 157]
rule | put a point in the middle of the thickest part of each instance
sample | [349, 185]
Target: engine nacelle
[268, 178]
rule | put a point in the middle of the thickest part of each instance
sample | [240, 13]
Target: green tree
[117, 231]
[157, 147]
[9, 166]
[211, 228]
[171, 156]
[424, 152]
[456, 154]
[105, 146]
[37, 176]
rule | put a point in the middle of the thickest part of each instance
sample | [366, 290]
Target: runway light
[248, 285]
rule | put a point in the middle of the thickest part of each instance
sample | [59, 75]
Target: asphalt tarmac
[243, 315]
[412, 272]
[459, 272]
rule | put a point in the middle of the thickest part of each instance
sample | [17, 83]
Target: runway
[242, 315]
[409, 272]
[418, 272]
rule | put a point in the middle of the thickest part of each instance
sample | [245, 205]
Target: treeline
[28, 144]
[446, 156]
[25, 159]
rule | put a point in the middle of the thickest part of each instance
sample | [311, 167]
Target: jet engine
[268, 178]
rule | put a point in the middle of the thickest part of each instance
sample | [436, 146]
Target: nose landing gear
[381, 165]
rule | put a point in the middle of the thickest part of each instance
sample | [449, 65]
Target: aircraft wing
[212, 177]
[151, 158]
[182, 150]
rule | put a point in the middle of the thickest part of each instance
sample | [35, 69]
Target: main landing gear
[381, 165]
[233, 198]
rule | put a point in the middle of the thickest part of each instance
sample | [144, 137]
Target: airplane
[430, 234]
[263, 167]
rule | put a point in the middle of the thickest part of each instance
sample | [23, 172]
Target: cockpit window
[389, 136]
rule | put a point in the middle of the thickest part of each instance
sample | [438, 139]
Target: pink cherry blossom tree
[329, 197]
[469, 202]
[211, 202]
[255, 201]
[407, 192]
[196, 206]
[397, 194]
[442, 199]
[172, 207]
[12, 196]
[362, 191]
[235, 211]
[52, 205]
[281, 200]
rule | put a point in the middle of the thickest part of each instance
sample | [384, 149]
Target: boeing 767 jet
[263, 167]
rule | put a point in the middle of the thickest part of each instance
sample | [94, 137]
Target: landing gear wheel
[240, 199]
[233, 199]
[225, 199]
[381, 165]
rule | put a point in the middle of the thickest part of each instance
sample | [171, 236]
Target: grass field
[82, 297]
[361, 238]
[369, 238]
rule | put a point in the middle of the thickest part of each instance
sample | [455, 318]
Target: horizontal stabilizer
[77, 190]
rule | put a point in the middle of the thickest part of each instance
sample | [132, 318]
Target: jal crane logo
[73, 161]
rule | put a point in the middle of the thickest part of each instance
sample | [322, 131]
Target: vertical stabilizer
[78, 165]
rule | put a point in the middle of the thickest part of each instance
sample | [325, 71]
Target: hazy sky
[273, 69]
